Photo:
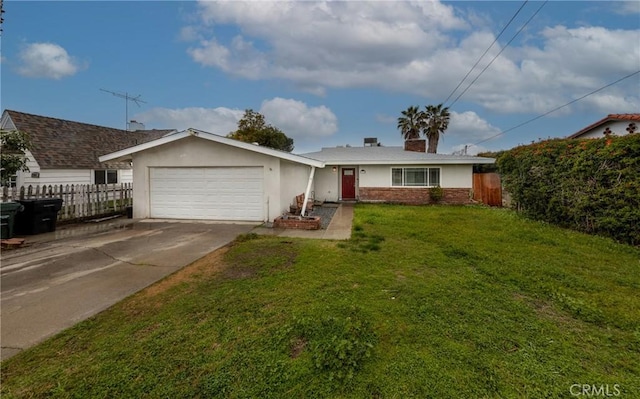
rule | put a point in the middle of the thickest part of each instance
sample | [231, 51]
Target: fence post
[83, 200]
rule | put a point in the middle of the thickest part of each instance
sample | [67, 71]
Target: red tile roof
[608, 118]
[62, 144]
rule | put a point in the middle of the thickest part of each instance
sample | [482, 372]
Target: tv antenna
[127, 98]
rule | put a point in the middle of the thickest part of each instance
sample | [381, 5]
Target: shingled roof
[62, 144]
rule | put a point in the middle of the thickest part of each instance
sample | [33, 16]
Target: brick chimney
[416, 145]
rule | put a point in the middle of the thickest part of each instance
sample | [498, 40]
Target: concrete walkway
[338, 229]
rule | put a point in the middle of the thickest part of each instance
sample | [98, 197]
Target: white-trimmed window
[10, 182]
[109, 176]
[415, 177]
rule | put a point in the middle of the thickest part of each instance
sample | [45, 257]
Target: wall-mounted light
[334, 169]
[363, 171]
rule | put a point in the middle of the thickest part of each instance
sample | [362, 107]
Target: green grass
[427, 302]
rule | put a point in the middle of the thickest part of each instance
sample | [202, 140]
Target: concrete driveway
[69, 275]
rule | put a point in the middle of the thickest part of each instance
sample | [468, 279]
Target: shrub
[591, 185]
[436, 193]
[338, 345]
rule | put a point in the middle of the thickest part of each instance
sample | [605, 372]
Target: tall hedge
[591, 185]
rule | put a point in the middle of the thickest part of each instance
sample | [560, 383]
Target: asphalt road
[53, 284]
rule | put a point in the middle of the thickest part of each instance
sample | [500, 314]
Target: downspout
[308, 191]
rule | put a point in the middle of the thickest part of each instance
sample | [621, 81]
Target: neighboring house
[393, 174]
[66, 152]
[198, 175]
[617, 124]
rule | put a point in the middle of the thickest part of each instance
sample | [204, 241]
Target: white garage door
[207, 193]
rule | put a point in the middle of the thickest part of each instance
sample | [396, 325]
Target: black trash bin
[8, 211]
[39, 216]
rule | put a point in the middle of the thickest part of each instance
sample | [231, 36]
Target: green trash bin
[8, 211]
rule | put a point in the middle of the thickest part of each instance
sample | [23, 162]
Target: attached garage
[215, 193]
[195, 175]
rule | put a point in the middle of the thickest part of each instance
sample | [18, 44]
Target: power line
[558, 108]
[500, 52]
[486, 51]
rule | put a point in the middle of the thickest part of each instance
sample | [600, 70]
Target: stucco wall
[456, 176]
[327, 182]
[195, 152]
[619, 128]
[451, 176]
[293, 181]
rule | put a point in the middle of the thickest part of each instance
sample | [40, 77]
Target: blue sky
[326, 73]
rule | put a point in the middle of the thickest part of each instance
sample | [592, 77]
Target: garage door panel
[207, 193]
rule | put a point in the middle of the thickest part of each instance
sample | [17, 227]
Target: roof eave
[127, 153]
[414, 162]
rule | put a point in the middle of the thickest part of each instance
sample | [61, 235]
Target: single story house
[198, 175]
[393, 174]
[617, 124]
[65, 152]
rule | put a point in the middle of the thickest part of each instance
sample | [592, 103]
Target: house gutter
[308, 191]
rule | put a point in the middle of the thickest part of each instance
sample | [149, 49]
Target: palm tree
[410, 123]
[436, 121]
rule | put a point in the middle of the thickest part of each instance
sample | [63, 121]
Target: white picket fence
[79, 201]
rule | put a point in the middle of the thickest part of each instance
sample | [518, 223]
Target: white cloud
[613, 103]
[469, 126]
[316, 44]
[294, 118]
[240, 57]
[189, 34]
[46, 60]
[219, 120]
[628, 7]
[416, 48]
[298, 120]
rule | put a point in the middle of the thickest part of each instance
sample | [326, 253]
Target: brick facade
[294, 222]
[416, 145]
[413, 195]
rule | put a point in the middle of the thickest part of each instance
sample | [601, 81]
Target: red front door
[348, 184]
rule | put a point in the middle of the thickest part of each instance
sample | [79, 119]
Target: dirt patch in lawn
[298, 347]
[268, 256]
[545, 310]
[202, 269]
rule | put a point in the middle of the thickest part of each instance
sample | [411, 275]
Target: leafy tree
[410, 123]
[436, 121]
[252, 128]
[13, 144]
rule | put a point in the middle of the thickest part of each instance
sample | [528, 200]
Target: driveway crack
[113, 257]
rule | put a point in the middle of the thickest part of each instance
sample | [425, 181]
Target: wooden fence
[79, 201]
[487, 188]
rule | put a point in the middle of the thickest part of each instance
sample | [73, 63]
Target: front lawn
[441, 302]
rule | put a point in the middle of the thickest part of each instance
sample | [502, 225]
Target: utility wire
[497, 55]
[486, 51]
[558, 108]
